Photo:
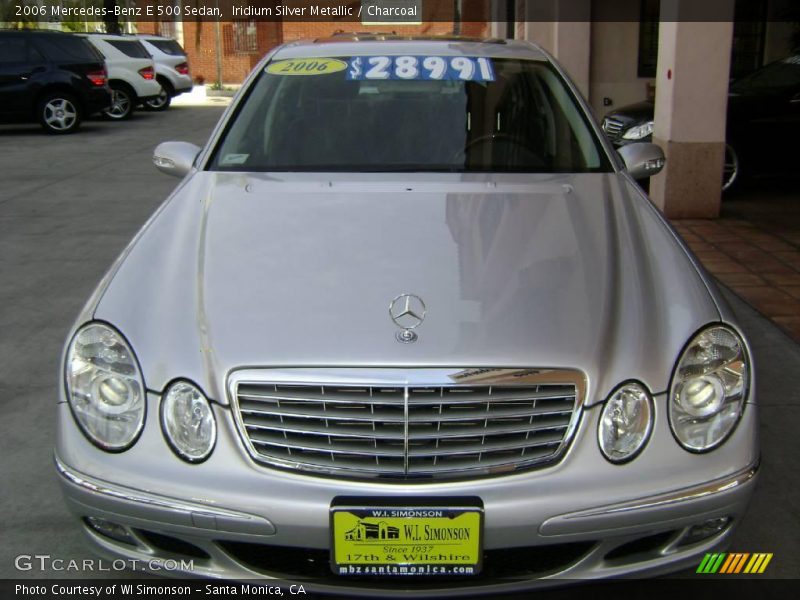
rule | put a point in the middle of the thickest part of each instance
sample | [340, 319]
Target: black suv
[54, 78]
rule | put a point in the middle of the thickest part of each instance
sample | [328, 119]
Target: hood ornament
[408, 312]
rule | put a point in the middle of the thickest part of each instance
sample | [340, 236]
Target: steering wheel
[493, 137]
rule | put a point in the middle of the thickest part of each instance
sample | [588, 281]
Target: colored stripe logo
[732, 563]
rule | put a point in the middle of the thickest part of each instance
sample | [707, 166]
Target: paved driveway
[69, 205]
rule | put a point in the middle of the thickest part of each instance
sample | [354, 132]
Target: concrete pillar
[569, 41]
[499, 25]
[691, 102]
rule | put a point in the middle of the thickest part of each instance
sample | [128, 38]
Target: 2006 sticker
[306, 66]
[460, 68]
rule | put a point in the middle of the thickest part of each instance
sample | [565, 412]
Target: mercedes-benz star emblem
[408, 312]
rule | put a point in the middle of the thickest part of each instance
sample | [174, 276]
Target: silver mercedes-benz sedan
[407, 324]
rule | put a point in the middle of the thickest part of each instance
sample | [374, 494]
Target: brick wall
[439, 21]
[298, 30]
[243, 44]
[147, 27]
[199, 41]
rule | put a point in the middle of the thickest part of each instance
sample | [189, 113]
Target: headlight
[105, 387]
[639, 132]
[708, 389]
[188, 422]
[626, 422]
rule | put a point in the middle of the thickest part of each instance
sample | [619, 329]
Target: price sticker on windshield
[428, 68]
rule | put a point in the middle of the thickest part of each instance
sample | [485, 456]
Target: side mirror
[175, 158]
[642, 159]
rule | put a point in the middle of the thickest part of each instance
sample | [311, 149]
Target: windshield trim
[405, 169]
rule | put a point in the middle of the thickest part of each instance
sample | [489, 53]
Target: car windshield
[170, 47]
[67, 48]
[131, 48]
[409, 113]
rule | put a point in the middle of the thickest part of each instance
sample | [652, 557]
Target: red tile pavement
[754, 249]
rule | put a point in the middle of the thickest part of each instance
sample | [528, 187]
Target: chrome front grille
[407, 430]
[613, 128]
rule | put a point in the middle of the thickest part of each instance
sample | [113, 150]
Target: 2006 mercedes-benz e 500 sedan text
[408, 315]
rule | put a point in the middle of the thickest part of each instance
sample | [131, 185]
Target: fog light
[111, 530]
[188, 422]
[703, 531]
[625, 423]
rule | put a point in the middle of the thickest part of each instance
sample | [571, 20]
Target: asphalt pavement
[68, 207]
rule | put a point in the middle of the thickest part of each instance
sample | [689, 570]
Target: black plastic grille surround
[304, 563]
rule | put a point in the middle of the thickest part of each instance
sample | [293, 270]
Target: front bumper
[582, 518]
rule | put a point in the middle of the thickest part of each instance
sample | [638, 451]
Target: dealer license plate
[407, 540]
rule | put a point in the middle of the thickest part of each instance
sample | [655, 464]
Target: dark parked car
[763, 124]
[51, 77]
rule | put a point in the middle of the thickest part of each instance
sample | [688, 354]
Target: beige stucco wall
[614, 58]
[569, 42]
[539, 32]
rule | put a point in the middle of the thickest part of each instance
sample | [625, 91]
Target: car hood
[641, 111]
[645, 111]
[239, 270]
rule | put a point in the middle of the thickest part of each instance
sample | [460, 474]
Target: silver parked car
[408, 315]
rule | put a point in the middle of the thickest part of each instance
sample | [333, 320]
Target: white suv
[172, 69]
[131, 72]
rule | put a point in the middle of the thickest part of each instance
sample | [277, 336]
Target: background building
[680, 53]
[242, 43]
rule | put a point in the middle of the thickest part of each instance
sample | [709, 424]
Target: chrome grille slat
[411, 419]
[466, 464]
[434, 418]
[613, 128]
[406, 431]
[327, 449]
[327, 400]
[471, 400]
[376, 435]
[308, 414]
[485, 448]
[320, 462]
[413, 401]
